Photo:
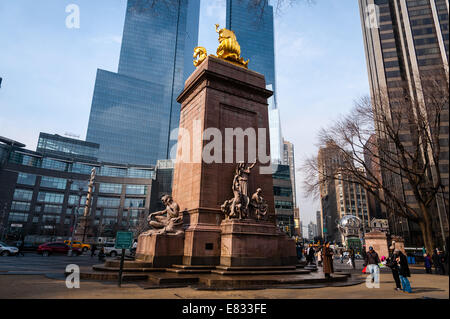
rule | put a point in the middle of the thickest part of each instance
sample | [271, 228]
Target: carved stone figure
[171, 223]
[258, 205]
[238, 206]
[243, 173]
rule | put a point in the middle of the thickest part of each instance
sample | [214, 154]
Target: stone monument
[227, 203]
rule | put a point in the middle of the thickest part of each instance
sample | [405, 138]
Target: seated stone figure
[259, 205]
[171, 223]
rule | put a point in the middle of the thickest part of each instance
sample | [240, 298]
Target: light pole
[69, 253]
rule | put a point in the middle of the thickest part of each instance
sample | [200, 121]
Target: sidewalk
[35, 286]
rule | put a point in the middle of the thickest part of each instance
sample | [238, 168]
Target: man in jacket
[371, 261]
[310, 255]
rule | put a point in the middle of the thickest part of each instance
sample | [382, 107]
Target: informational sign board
[124, 240]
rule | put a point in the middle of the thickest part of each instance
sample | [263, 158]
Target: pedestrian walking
[327, 257]
[428, 264]
[443, 262]
[93, 249]
[372, 260]
[101, 254]
[310, 255]
[404, 272]
[436, 259]
[341, 257]
[21, 245]
[391, 262]
[352, 258]
[319, 257]
[298, 250]
[134, 247]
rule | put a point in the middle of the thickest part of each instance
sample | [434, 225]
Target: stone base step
[109, 276]
[114, 263]
[172, 278]
[193, 267]
[225, 282]
[116, 269]
[188, 271]
[254, 268]
[260, 272]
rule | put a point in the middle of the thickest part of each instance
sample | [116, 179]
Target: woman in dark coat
[327, 260]
[404, 272]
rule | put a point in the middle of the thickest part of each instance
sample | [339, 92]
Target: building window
[110, 212]
[77, 185]
[23, 206]
[53, 182]
[54, 164]
[56, 209]
[108, 202]
[17, 217]
[113, 171]
[140, 173]
[73, 200]
[136, 189]
[50, 197]
[26, 179]
[110, 188]
[134, 202]
[23, 194]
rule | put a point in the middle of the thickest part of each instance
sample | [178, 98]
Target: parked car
[56, 248]
[79, 245]
[111, 250]
[6, 250]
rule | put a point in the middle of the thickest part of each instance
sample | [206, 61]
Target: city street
[34, 276]
[32, 263]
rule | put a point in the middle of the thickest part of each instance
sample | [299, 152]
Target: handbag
[364, 270]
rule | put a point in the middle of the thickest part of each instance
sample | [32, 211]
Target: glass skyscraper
[134, 111]
[254, 29]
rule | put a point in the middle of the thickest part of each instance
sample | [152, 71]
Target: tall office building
[406, 41]
[134, 111]
[254, 29]
[329, 160]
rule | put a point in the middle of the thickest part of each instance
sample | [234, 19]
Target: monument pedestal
[202, 237]
[255, 243]
[160, 250]
[378, 241]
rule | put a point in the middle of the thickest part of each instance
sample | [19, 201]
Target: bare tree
[407, 149]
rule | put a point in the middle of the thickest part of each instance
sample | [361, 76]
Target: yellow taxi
[79, 245]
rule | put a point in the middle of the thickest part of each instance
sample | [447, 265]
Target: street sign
[124, 240]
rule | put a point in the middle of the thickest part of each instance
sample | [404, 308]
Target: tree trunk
[427, 236]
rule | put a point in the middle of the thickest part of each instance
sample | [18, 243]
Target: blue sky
[49, 70]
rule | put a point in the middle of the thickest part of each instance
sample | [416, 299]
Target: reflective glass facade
[134, 111]
[59, 145]
[254, 29]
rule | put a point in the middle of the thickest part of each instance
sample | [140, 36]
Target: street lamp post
[69, 253]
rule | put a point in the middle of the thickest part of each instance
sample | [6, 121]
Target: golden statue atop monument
[228, 50]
